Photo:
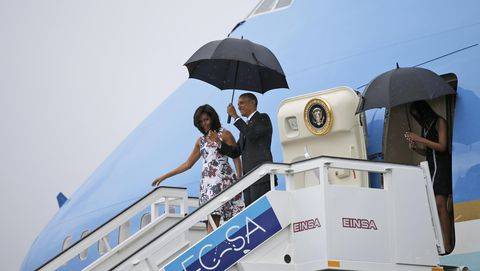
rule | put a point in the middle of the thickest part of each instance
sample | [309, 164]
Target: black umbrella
[402, 86]
[237, 64]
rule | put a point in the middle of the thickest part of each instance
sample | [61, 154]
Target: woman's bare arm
[228, 139]
[440, 146]
[415, 148]
[192, 159]
[238, 167]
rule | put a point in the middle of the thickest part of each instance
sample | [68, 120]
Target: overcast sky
[76, 77]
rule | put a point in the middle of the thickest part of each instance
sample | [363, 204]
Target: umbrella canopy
[401, 86]
[237, 64]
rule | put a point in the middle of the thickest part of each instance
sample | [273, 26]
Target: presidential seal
[318, 116]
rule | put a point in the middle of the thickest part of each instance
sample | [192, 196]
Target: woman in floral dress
[217, 174]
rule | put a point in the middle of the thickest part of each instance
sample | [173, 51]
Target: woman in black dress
[435, 147]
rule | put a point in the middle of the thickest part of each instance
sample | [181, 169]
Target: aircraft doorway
[395, 147]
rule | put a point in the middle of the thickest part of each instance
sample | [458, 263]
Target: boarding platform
[328, 217]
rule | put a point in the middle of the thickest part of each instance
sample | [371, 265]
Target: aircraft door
[398, 121]
[323, 123]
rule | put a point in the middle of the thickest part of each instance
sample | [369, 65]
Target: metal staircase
[174, 201]
[323, 225]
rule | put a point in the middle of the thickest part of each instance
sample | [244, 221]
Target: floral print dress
[217, 175]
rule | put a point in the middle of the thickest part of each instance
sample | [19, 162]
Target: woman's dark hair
[423, 114]
[206, 109]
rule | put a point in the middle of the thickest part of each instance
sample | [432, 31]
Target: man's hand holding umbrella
[232, 112]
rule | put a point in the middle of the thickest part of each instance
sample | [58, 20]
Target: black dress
[439, 163]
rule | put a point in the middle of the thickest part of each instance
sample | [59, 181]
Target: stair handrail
[270, 168]
[151, 199]
[214, 203]
[218, 200]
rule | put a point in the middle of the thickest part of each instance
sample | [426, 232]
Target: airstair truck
[329, 217]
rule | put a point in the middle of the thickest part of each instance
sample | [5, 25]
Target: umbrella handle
[408, 118]
[229, 119]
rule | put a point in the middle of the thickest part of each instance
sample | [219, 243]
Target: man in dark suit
[254, 143]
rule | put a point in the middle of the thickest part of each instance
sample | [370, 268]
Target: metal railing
[322, 163]
[205, 210]
[168, 196]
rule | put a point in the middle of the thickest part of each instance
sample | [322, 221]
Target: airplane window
[283, 3]
[67, 243]
[102, 246]
[269, 5]
[124, 232]
[83, 255]
[265, 6]
[146, 219]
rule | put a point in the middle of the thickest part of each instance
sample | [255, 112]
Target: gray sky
[76, 77]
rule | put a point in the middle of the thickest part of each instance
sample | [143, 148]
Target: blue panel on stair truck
[230, 242]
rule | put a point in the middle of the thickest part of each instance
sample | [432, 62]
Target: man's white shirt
[248, 118]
